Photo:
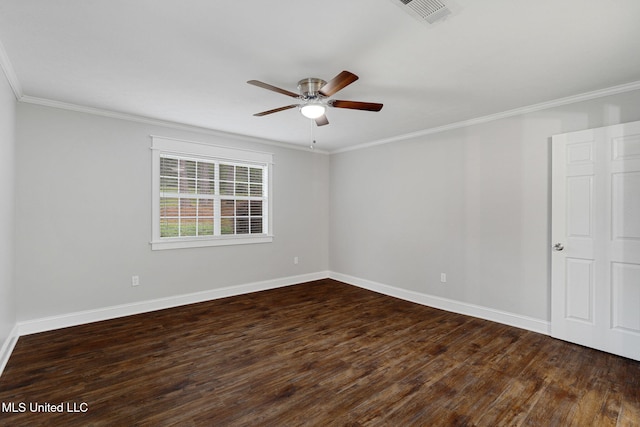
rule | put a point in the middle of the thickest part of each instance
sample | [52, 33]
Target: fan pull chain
[313, 138]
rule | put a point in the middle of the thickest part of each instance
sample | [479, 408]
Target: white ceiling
[188, 61]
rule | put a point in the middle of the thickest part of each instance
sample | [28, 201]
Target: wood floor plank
[319, 354]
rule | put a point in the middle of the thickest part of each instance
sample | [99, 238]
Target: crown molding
[158, 122]
[614, 90]
[10, 73]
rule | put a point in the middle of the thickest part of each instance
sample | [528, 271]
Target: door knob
[558, 247]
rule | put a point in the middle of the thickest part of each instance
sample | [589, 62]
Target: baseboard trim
[7, 347]
[511, 319]
[28, 327]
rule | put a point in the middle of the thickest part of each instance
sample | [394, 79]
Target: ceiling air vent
[428, 10]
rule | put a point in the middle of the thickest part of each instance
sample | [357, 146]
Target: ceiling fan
[314, 97]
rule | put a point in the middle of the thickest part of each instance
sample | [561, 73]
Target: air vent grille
[429, 10]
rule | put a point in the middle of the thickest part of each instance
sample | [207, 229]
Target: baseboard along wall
[486, 313]
[78, 318]
[82, 317]
[7, 347]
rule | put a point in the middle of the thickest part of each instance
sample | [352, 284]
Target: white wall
[7, 209]
[84, 217]
[471, 202]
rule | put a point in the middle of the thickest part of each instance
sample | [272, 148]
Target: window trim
[176, 147]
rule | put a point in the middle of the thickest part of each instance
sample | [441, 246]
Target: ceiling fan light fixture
[312, 110]
[314, 97]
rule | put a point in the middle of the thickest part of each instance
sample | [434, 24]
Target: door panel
[579, 293]
[626, 208]
[625, 281]
[579, 200]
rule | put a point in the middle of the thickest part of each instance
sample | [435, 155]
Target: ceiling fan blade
[322, 120]
[273, 88]
[275, 110]
[340, 81]
[356, 105]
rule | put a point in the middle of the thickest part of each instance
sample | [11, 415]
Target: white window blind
[206, 195]
[187, 189]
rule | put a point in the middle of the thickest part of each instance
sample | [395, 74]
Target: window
[205, 195]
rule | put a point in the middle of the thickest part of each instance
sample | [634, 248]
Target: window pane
[168, 167]
[242, 225]
[169, 227]
[206, 170]
[206, 187]
[242, 173]
[256, 225]
[242, 189]
[227, 226]
[226, 172]
[188, 207]
[187, 186]
[226, 188]
[256, 175]
[187, 169]
[168, 206]
[242, 208]
[256, 208]
[256, 190]
[187, 226]
[168, 185]
[227, 207]
[205, 227]
[205, 207]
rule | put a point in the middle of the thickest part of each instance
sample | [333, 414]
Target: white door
[595, 233]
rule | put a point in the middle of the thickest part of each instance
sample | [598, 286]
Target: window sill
[181, 243]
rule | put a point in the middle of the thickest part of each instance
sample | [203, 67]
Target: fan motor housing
[310, 87]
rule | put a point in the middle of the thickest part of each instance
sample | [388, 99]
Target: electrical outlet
[295, 260]
[443, 277]
[135, 280]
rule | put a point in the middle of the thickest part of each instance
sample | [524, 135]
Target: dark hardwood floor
[322, 353]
